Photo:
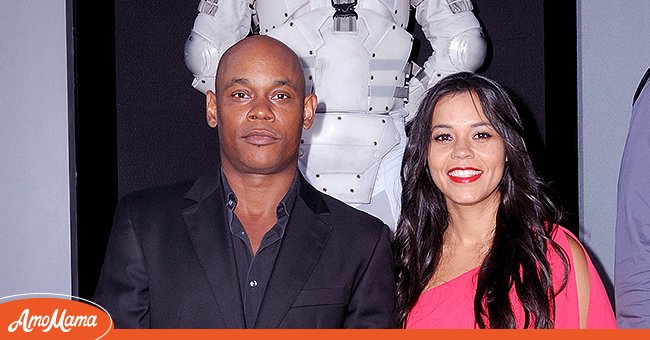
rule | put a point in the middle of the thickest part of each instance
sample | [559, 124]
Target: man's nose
[261, 110]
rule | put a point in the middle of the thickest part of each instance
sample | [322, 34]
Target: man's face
[260, 109]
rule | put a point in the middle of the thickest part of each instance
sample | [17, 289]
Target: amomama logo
[39, 314]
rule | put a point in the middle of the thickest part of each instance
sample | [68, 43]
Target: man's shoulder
[347, 219]
[354, 235]
[158, 193]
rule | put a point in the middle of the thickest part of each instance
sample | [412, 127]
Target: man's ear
[309, 110]
[211, 108]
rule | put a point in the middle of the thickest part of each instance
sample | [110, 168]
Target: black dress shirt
[254, 270]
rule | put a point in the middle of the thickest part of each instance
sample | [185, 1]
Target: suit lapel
[305, 237]
[206, 225]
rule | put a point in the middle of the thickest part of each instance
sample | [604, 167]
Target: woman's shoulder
[566, 239]
[584, 283]
[572, 247]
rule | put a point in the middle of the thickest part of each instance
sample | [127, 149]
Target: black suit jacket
[170, 264]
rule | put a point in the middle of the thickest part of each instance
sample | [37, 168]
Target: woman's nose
[462, 149]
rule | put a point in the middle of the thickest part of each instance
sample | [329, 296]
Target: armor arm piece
[457, 43]
[219, 25]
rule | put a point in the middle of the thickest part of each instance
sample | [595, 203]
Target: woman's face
[466, 155]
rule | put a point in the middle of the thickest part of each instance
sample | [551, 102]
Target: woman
[478, 243]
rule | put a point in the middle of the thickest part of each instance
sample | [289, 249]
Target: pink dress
[451, 305]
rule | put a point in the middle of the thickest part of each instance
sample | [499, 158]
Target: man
[632, 265]
[254, 246]
[355, 55]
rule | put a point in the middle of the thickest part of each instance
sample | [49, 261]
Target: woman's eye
[483, 135]
[442, 137]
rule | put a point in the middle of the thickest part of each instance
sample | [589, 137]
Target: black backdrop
[140, 123]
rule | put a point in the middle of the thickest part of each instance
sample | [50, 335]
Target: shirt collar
[284, 207]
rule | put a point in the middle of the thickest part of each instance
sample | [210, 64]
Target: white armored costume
[355, 56]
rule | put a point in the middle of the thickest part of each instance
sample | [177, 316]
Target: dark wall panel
[162, 134]
[95, 143]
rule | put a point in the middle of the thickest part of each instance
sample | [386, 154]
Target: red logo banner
[45, 315]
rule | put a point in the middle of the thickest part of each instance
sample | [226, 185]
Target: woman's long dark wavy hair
[526, 218]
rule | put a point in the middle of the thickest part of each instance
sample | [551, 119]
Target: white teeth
[465, 173]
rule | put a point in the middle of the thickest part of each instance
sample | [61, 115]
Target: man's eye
[281, 96]
[240, 95]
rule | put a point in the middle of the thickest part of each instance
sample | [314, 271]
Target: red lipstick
[464, 174]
